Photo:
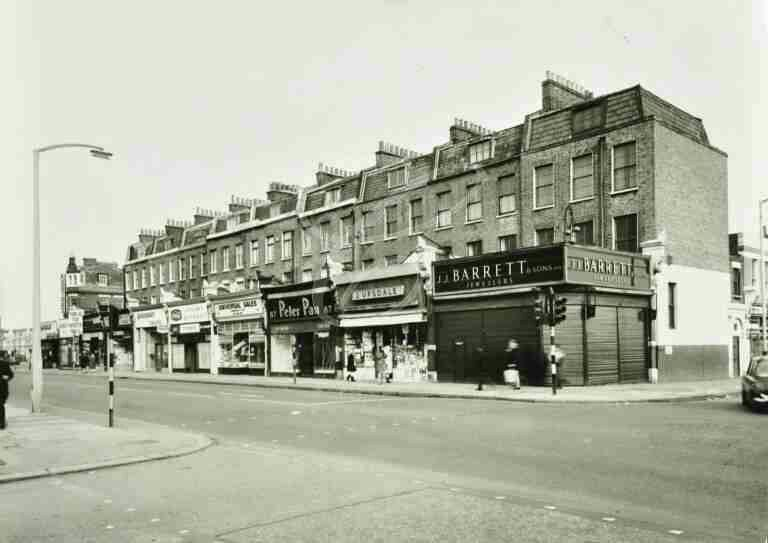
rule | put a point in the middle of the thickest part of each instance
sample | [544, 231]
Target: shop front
[150, 339]
[384, 307]
[93, 346]
[49, 342]
[482, 302]
[122, 340]
[69, 341]
[239, 321]
[192, 339]
[301, 324]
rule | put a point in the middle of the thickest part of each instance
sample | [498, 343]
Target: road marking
[675, 532]
[130, 510]
[395, 424]
[609, 519]
[155, 520]
[295, 412]
[107, 501]
[182, 532]
[190, 395]
[109, 527]
[300, 436]
[326, 433]
[209, 422]
[454, 489]
[550, 507]
[501, 497]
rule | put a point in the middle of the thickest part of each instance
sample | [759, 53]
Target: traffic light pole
[553, 362]
[111, 381]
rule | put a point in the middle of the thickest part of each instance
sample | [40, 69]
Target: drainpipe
[601, 166]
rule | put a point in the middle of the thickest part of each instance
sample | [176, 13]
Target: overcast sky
[202, 100]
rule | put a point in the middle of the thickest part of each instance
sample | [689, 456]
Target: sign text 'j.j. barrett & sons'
[373, 293]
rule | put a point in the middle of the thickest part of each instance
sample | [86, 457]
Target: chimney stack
[390, 154]
[238, 203]
[462, 130]
[326, 174]
[558, 92]
[282, 191]
[202, 215]
[146, 235]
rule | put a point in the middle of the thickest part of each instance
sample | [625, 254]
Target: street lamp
[37, 362]
[762, 232]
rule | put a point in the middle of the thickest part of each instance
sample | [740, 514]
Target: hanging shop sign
[93, 323]
[499, 270]
[49, 329]
[124, 320]
[189, 313]
[150, 318]
[597, 267]
[246, 308]
[189, 328]
[306, 306]
[364, 293]
[68, 329]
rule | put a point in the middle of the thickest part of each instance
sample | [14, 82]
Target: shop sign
[189, 313]
[149, 318]
[499, 270]
[373, 293]
[124, 319]
[49, 329]
[295, 308]
[68, 329]
[190, 328]
[249, 307]
[162, 328]
[606, 268]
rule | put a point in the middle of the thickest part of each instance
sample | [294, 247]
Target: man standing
[6, 374]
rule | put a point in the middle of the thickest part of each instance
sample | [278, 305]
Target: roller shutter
[632, 352]
[602, 363]
[569, 338]
[452, 359]
[500, 325]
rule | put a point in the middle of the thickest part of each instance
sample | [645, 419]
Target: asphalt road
[317, 466]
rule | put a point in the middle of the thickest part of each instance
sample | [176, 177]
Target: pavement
[62, 441]
[631, 393]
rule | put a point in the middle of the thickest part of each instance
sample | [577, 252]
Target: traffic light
[558, 315]
[538, 307]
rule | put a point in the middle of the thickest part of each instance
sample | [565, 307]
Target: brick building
[625, 171]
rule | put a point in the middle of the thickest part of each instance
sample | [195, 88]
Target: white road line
[190, 395]
[501, 497]
[609, 519]
[550, 507]
[109, 527]
[155, 520]
[675, 532]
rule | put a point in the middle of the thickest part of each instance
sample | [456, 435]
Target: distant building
[89, 284]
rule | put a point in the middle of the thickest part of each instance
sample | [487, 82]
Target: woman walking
[379, 359]
[6, 374]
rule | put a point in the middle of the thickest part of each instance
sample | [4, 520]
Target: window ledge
[504, 215]
[324, 251]
[367, 242]
[390, 238]
[439, 228]
[346, 246]
[587, 199]
[415, 234]
[624, 191]
[542, 208]
[285, 258]
[475, 221]
[306, 254]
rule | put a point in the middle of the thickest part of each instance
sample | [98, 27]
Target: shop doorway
[191, 363]
[306, 348]
[160, 356]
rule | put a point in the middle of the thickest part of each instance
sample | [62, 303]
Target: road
[316, 466]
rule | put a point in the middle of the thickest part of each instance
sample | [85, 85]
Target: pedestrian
[388, 364]
[351, 368]
[380, 365]
[511, 373]
[84, 361]
[6, 374]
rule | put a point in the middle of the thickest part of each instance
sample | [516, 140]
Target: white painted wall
[703, 299]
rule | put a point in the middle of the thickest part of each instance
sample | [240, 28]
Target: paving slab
[61, 441]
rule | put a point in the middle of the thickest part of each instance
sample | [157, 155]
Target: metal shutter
[500, 325]
[451, 360]
[632, 350]
[602, 361]
[568, 337]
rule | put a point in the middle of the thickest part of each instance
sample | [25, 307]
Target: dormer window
[396, 178]
[274, 210]
[588, 118]
[480, 151]
[332, 196]
[233, 221]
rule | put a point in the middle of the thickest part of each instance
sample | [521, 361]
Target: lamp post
[37, 362]
[762, 233]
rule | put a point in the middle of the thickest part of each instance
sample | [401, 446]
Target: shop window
[390, 260]
[417, 215]
[270, 256]
[391, 221]
[254, 252]
[545, 236]
[325, 236]
[506, 193]
[584, 233]
[444, 215]
[480, 151]
[474, 248]
[396, 178]
[287, 245]
[625, 233]
[238, 257]
[474, 203]
[346, 231]
[582, 185]
[543, 186]
[624, 166]
[672, 305]
[507, 243]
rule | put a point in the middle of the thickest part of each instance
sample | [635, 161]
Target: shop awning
[381, 319]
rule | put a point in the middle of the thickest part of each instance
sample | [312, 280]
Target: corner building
[625, 172]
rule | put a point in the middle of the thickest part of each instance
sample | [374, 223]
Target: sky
[202, 100]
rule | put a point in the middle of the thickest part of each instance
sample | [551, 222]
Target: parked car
[754, 384]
